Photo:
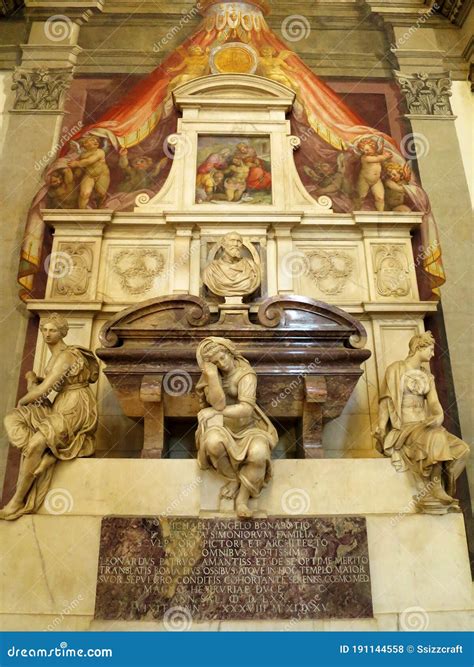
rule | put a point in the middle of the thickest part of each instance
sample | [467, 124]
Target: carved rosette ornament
[138, 268]
[391, 271]
[426, 94]
[40, 89]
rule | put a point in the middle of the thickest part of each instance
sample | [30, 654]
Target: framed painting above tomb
[233, 169]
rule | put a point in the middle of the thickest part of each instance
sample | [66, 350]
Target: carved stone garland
[137, 268]
[329, 269]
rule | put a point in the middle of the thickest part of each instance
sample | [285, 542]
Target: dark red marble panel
[217, 569]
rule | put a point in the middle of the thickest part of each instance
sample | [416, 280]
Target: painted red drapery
[137, 116]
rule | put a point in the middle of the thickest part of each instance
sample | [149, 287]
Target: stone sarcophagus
[307, 355]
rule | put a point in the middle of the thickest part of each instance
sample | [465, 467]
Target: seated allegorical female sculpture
[47, 431]
[234, 436]
[410, 429]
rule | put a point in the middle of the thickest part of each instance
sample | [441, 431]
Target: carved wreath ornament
[138, 268]
[330, 270]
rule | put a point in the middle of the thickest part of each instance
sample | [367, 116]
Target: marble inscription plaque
[276, 568]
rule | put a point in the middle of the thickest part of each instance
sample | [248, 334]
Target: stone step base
[419, 563]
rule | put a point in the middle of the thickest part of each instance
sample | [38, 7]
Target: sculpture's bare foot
[440, 494]
[451, 485]
[10, 509]
[230, 490]
[46, 462]
[243, 511]
[241, 507]
[454, 506]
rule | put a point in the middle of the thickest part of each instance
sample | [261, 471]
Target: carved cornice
[205, 5]
[9, 7]
[426, 94]
[401, 13]
[454, 10]
[79, 11]
[286, 319]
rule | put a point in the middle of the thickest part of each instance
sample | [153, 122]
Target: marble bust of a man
[232, 274]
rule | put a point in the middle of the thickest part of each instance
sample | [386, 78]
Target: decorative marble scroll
[74, 280]
[392, 276]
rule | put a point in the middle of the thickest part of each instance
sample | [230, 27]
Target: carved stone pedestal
[153, 416]
[315, 395]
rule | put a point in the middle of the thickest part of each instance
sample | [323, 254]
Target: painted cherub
[395, 177]
[139, 172]
[372, 155]
[62, 189]
[94, 174]
[194, 64]
[208, 184]
[327, 177]
[274, 67]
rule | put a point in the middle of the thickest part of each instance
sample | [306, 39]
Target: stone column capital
[40, 89]
[426, 94]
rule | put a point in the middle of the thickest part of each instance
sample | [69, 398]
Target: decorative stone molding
[426, 94]
[9, 7]
[392, 276]
[79, 12]
[329, 269]
[455, 10]
[137, 268]
[78, 267]
[40, 89]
